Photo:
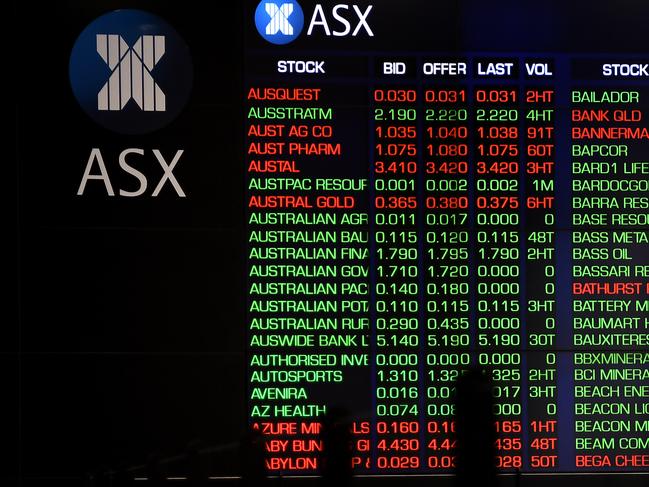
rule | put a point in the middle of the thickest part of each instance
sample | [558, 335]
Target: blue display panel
[415, 212]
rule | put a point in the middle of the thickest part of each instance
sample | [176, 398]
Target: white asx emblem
[279, 19]
[130, 75]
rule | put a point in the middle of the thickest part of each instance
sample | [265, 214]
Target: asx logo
[281, 22]
[131, 75]
[130, 71]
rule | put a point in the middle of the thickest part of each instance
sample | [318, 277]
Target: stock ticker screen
[433, 190]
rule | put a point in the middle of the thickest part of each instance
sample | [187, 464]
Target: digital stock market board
[413, 212]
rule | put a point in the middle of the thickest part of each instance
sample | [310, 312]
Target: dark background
[125, 330]
[130, 334]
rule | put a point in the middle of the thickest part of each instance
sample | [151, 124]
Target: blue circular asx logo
[279, 21]
[131, 72]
